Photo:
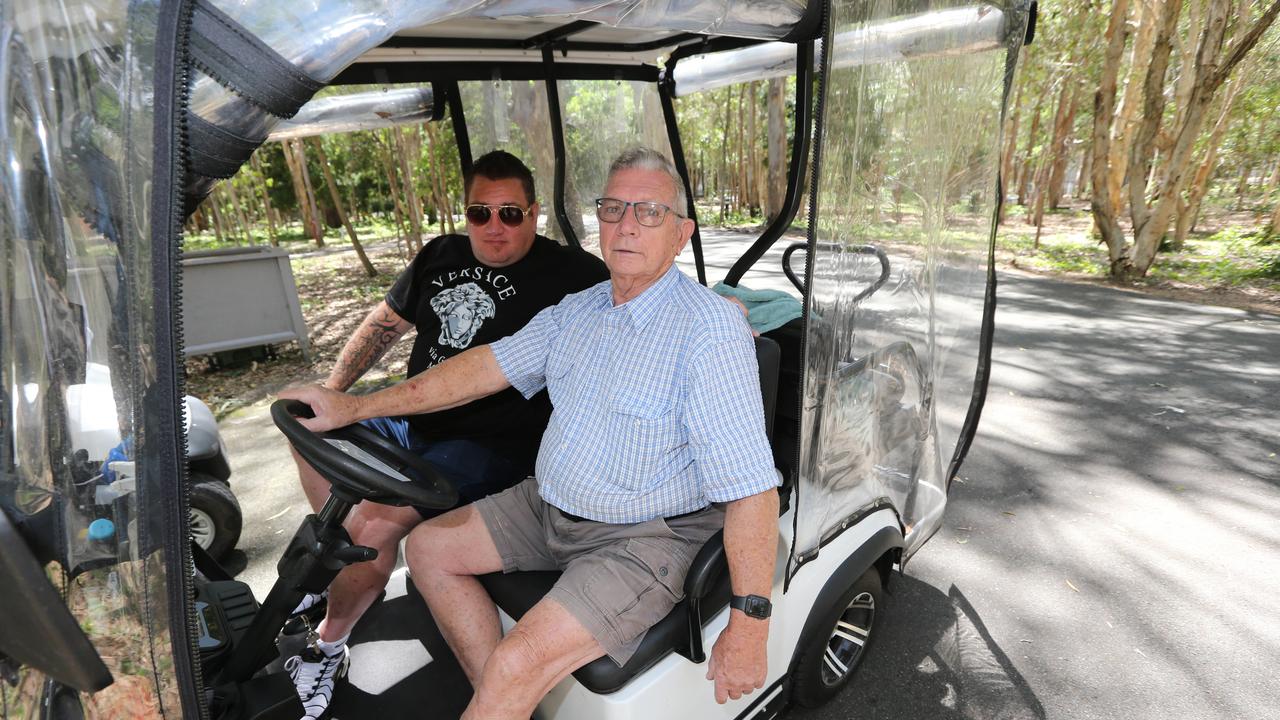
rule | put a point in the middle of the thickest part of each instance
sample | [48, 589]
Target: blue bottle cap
[101, 529]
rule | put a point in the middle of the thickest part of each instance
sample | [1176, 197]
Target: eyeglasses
[510, 215]
[648, 214]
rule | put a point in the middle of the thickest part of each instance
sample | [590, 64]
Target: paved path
[1114, 548]
[1111, 551]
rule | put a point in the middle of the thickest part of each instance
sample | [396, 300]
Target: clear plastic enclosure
[906, 201]
[77, 359]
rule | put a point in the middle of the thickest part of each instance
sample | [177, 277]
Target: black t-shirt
[457, 303]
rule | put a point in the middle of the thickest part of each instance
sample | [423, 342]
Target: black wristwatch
[753, 605]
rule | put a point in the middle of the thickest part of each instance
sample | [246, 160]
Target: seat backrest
[769, 357]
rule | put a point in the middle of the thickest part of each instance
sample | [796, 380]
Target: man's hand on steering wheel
[332, 409]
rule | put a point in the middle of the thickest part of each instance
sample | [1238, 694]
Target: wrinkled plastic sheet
[75, 132]
[906, 202]
[369, 110]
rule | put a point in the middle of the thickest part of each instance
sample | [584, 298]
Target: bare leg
[380, 527]
[313, 484]
[445, 554]
[546, 645]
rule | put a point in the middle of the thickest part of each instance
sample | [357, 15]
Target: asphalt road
[1111, 551]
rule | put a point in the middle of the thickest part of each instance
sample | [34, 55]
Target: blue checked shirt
[657, 407]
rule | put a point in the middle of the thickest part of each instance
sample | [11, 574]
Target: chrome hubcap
[850, 636]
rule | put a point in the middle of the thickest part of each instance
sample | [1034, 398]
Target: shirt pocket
[560, 364]
[645, 431]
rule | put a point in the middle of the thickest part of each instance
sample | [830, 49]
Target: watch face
[757, 606]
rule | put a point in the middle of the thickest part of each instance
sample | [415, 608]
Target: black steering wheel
[362, 464]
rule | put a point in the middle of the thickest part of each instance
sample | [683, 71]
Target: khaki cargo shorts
[618, 580]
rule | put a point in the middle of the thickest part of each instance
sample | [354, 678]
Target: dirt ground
[336, 295]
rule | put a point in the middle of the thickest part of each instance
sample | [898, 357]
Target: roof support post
[557, 143]
[458, 117]
[795, 172]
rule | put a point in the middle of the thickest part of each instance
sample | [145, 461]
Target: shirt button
[662, 571]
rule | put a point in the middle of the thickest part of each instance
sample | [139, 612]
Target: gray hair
[643, 158]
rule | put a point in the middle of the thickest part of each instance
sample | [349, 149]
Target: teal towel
[766, 309]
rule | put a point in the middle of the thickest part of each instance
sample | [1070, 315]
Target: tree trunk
[1010, 145]
[1063, 124]
[385, 145]
[308, 197]
[1102, 201]
[1086, 168]
[1028, 162]
[722, 176]
[1146, 15]
[1273, 227]
[443, 206]
[242, 218]
[1213, 67]
[404, 151]
[369, 269]
[777, 186]
[295, 179]
[740, 176]
[211, 202]
[1242, 185]
[1035, 211]
[1188, 212]
[266, 199]
[1186, 43]
[753, 173]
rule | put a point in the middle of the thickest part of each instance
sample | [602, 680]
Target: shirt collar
[644, 308]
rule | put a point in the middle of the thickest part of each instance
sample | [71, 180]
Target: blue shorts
[472, 468]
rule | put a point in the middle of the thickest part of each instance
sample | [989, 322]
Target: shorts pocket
[665, 562]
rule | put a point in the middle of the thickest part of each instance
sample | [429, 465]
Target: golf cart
[117, 119]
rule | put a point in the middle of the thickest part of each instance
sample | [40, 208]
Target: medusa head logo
[462, 310]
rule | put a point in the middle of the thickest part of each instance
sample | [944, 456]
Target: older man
[656, 440]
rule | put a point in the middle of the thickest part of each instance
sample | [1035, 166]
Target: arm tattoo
[369, 343]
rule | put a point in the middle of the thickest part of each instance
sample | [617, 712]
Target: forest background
[1141, 146]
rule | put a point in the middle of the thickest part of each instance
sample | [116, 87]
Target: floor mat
[400, 664]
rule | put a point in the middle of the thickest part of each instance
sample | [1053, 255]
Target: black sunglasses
[510, 215]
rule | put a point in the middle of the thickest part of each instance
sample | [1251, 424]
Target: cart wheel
[825, 666]
[215, 515]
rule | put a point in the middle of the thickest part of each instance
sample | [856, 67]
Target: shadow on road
[932, 658]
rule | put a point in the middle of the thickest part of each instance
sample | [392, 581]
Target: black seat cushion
[517, 592]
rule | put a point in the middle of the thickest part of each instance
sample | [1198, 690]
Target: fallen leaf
[1010, 513]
